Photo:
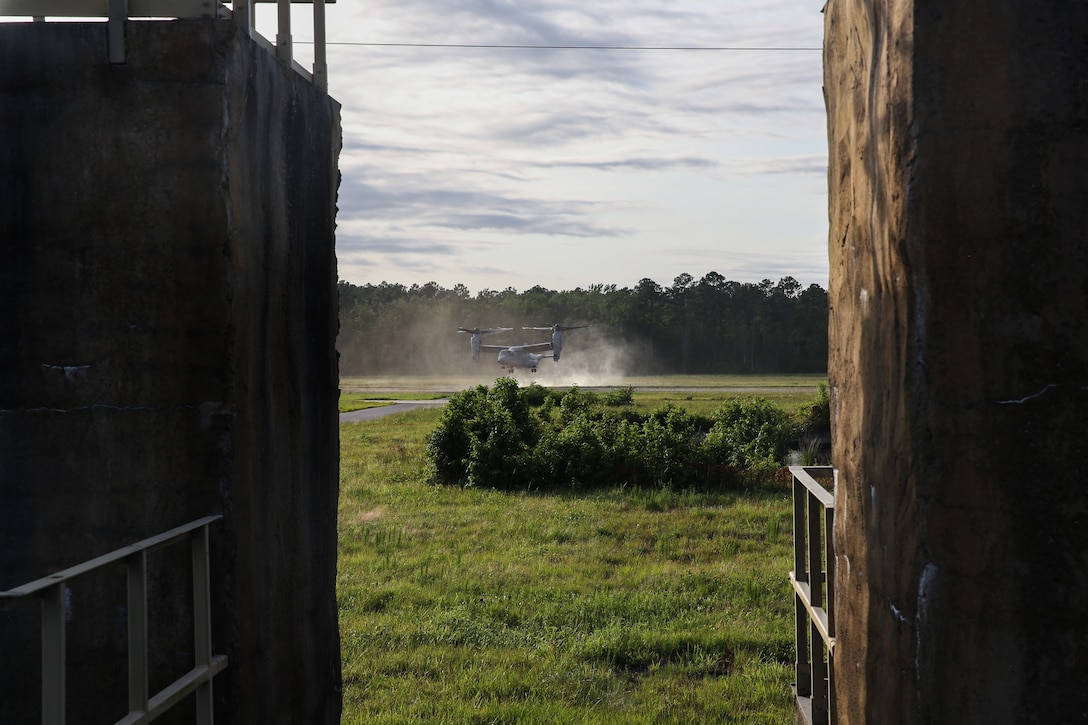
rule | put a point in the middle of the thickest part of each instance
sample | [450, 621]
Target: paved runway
[397, 407]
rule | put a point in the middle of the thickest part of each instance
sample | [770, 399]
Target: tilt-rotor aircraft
[527, 355]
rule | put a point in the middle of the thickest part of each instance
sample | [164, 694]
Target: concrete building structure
[168, 289]
[958, 139]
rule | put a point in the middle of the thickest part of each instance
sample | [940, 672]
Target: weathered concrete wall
[958, 138]
[169, 299]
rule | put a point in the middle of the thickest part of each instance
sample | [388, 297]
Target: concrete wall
[958, 137]
[168, 288]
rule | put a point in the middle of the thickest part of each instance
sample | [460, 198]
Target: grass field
[699, 394]
[616, 606]
[438, 384]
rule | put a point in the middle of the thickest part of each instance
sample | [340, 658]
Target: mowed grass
[408, 384]
[699, 394]
[617, 606]
[361, 401]
[706, 402]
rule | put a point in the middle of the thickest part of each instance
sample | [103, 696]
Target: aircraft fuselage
[514, 358]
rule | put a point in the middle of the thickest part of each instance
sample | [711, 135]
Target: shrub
[494, 438]
[620, 397]
[450, 444]
[576, 402]
[666, 446]
[535, 395]
[750, 434]
[499, 455]
[815, 436]
[572, 455]
[817, 414]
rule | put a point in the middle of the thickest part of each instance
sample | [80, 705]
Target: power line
[762, 49]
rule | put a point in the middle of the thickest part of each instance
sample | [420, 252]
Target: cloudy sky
[513, 167]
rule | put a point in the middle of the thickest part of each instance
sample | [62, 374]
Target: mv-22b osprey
[528, 355]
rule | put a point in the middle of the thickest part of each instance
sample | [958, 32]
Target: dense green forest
[697, 326]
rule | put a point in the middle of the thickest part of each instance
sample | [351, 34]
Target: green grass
[434, 386]
[358, 401]
[617, 606]
[703, 402]
[361, 401]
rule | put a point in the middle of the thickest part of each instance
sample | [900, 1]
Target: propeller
[478, 331]
[557, 336]
[477, 336]
[557, 328]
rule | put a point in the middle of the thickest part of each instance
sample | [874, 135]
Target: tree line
[696, 326]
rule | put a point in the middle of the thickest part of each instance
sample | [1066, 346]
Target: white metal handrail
[813, 582]
[50, 591]
[117, 11]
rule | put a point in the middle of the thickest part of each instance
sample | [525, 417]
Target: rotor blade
[478, 331]
[559, 328]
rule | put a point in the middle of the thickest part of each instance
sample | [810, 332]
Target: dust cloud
[594, 356]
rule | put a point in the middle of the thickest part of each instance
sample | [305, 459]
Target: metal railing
[50, 591]
[118, 11]
[813, 580]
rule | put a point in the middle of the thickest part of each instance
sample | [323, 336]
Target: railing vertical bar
[118, 15]
[816, 587]
[321, 66]
[832, 711]
[803, 670]
[829, 557]
[202, 622]
[284, 51]
[819, 678]
[243, 15]
[799, 500]
[829, 607]
[53, 643]
[815, 553]
[803, 673]
[137, 632]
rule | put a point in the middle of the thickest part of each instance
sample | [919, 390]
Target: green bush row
[508, 437]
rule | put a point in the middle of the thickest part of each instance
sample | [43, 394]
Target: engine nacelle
[557, 344]
[477, 338]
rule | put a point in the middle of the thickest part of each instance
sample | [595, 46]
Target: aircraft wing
[531, 347]
[494, 347]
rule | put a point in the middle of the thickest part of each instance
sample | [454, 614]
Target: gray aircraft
[527, 355]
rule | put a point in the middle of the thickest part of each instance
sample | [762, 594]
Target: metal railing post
[118, 16]
[202, 621]
[243, 15]
[284, 51]
[816, 600]
[803, 672]
[321, 66]
[829, 556]
[53, 643]
[137, 632]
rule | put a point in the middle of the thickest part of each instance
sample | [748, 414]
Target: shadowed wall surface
[958, 140]
[169, 299]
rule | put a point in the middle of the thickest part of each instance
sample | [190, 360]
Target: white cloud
[564, 168]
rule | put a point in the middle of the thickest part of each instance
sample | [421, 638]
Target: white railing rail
[117, 11]
[143, 708]
[813, 581]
